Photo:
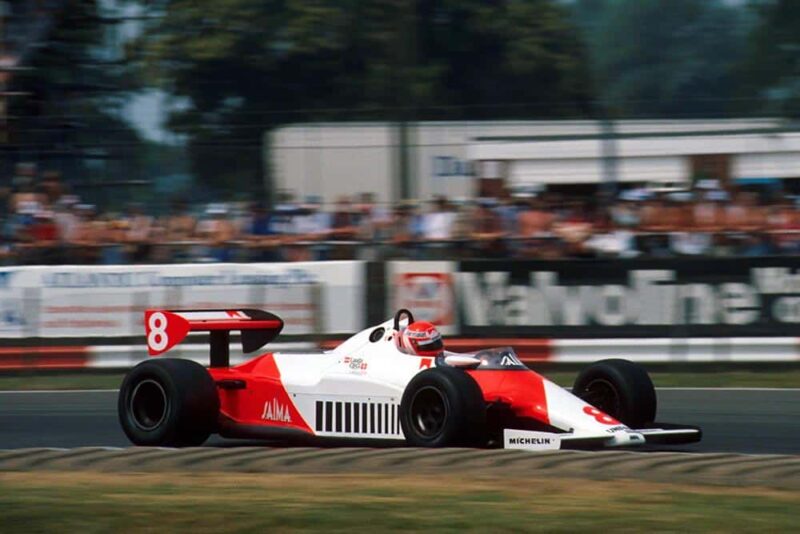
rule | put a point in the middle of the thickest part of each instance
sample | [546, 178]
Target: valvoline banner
[629, 298]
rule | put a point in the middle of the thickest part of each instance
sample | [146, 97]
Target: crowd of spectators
[42, 223]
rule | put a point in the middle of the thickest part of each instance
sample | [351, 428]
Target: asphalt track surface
[764, 421]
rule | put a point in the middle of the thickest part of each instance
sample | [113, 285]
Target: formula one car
[371, 388]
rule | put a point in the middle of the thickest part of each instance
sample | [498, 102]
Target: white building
[465, 159]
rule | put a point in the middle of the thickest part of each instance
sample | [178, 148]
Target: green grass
[87, 502]
[706, 378]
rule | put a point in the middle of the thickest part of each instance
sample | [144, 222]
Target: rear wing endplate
[167, 328]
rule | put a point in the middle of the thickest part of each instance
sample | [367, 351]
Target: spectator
[7, 59]
[179, 232]
[708, 213]
[343, 222]
[534, 220]
[51, 188]
[139, 233]
[40, 240]
[260, 237]
[743, 218]
[654, 225]
[112, 234]
[344, 227]
[84, 249]
[309, 225]
[535, 223]
[403, 231]
[437, 229]
[374, 223]
[745, 214]
[708, 218]
[41, 221]
[574, 228]
[217, 232]
[67, 218]
[784, 223]
[180, 224]
[487, 231]
[686, 238]
[462, 223]
[614, 242]
[625, 213]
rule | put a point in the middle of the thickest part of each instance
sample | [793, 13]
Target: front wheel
[443, 407]
[168, 402]
[620, 388]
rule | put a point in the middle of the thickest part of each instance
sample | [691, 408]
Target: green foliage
[237, 68]
[772, 68]
[245, 66]
[666, 58]
[70, 119]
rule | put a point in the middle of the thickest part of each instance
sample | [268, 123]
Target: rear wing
[167, 328]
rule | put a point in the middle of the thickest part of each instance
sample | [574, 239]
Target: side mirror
[399, 315]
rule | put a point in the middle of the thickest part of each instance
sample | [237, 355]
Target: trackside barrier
[658, 350]
[78, 302]
[112, 356]
[651, 311]
[674, 350]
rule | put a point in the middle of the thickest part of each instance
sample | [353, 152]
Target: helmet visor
[433, 345]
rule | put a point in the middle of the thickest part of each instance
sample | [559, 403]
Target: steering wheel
[399, 315]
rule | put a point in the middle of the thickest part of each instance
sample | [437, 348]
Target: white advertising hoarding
[96, 301]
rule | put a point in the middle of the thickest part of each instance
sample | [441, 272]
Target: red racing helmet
[422, 339]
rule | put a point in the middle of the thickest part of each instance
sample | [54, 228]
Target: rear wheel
[620, 388]
[443, 407]
[168, 402]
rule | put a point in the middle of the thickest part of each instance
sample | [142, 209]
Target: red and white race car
[369, 389]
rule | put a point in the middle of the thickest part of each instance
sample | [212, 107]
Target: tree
[664, 58]
[70, 119]
[771, 70]
[243, 66]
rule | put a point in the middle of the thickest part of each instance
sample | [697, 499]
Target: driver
[422, 339]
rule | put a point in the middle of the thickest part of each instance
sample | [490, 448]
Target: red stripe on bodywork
[522, 391]
[20, 358]
[263, 387]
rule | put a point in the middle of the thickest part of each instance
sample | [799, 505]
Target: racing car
[390, 383]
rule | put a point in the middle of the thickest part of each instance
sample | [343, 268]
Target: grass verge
[784, 378]
[91, 502]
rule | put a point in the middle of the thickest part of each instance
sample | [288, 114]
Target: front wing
[625, 437]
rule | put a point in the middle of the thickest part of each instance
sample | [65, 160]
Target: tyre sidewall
[637, 397]
[466, 410]
[192, 403]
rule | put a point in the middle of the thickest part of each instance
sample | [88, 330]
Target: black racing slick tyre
[620, 388]
[443, 407]
[168, 402]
